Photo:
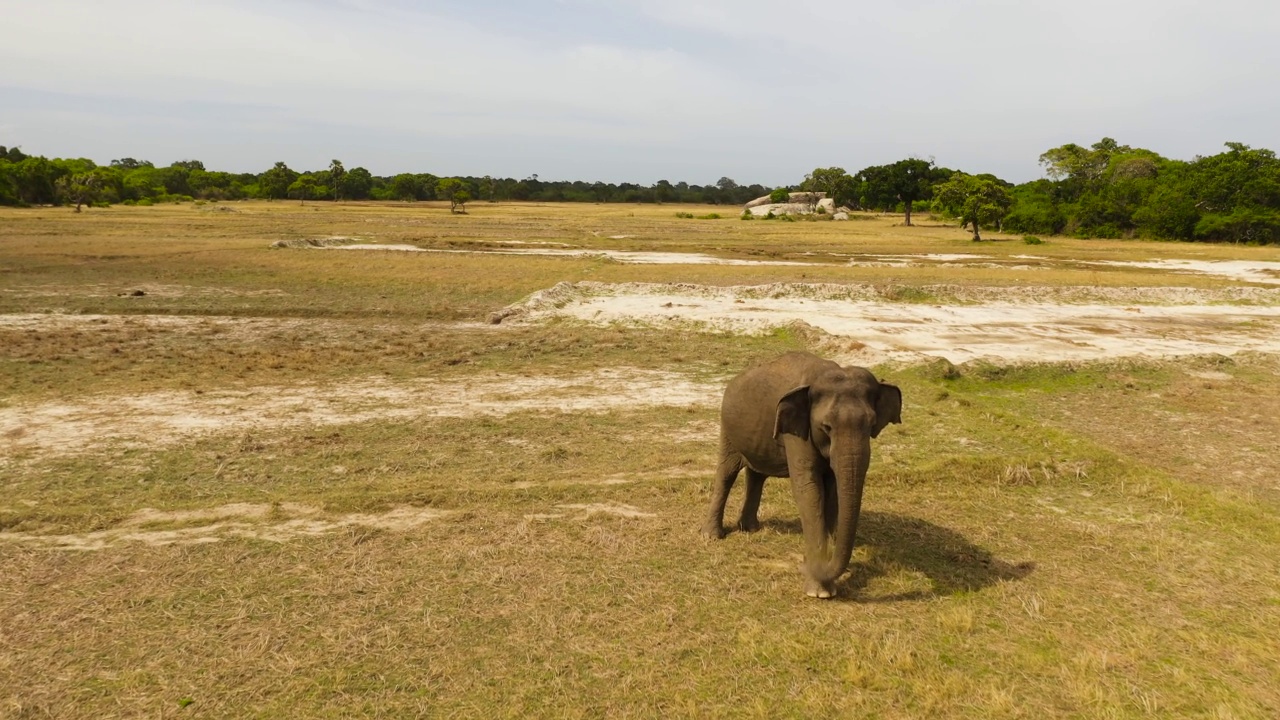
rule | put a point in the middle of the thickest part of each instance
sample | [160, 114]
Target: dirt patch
[372, 246]
[277, 523]
[1259, 271]
[1256, 271]
[629, 257]
[158, 418]
[585, 511]
[1005, 324]
[331, 241]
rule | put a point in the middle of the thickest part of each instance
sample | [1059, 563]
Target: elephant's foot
[821, 590]
[748, 524]
[713, 532]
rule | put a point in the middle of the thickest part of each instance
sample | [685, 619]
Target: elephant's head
[838, 413]
[847, 399]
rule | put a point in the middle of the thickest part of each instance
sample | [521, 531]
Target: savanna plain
[378, 460]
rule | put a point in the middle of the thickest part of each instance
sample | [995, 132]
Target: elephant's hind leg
[748, 521]
[731, 464]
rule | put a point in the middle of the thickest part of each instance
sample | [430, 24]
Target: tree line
[1106, 190]
[33, 180]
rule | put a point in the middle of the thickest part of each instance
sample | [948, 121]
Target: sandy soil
[40, 430]
[631, 257]
[1004, 324]
[1256, 271]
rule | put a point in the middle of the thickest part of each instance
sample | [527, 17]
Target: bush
[780, 195]
[708, 216]
[686, 215]
[1248, 225]
[1032, 240]
[746, 215]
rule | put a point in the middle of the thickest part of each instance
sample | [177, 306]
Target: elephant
[809, 419]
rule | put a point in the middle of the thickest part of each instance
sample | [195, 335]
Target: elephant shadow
[895, 543]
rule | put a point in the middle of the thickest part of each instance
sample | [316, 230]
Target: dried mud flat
[41, 430]
[1256, 271]
[1001, 324]
[864, 324]
[1007, 325]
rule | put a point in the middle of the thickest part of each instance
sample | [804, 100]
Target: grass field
[239, 480]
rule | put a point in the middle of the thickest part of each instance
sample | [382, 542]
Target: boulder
[827, 205]
[809, 198]
[781, 209]
[840, 216]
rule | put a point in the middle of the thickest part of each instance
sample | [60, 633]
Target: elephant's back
[769, 381]
[750, 406]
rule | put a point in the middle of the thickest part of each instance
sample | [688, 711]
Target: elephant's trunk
[849, 462]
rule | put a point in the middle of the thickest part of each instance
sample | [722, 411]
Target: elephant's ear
[888, 408]
[793, 414]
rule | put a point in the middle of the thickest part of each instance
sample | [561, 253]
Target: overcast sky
[634, 90]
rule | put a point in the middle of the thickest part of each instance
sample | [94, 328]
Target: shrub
[746, 215]
[708, 216]
[780, 195]
[1032, 240]
[687, 215]
[770, 216]
[1247, 225]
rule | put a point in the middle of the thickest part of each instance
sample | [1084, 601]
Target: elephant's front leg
[810, 492]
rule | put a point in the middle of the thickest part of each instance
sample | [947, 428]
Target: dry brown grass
[1038, 541]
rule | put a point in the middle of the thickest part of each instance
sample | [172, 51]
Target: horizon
[628, 91]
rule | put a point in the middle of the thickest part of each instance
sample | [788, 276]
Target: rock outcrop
[798, 203]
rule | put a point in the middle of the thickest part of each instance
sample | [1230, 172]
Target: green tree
[356, 184]
[130, 164]
[80, 188]
[976, 200]
[303, 187]
[8, 182]
[336, 174]
[37, 178]
[455, 191]
[834, 181]
[275, 182]
[906, 182]
[405, 186]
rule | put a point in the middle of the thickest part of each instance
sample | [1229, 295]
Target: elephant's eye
[826, 428]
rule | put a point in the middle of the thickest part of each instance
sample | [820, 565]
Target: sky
[634, 90]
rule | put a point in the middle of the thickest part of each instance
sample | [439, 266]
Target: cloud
[761, 90]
